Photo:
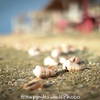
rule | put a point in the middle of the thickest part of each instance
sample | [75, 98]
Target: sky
[11, 8]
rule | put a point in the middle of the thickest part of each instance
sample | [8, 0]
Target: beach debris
[33, 51]
[71, 66]
[50, 61]
[55, 53]
[35, 84]
[43, 72]
[75, 59]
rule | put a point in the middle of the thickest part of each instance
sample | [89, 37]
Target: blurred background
[13, 8]
[60, 16]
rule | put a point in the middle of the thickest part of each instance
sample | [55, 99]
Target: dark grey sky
[11, 8]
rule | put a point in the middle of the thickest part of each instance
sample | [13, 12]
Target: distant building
[58, 15]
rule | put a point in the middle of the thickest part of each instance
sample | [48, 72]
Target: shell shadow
[48, 85]
[61, 72]
[86, 68]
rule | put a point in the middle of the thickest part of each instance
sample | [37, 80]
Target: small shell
[62, 60]
[64, 49]
[75, 59]
[33, 51]
[55, 53]
[71, 48]
[42, 72]
[35, 84]
[71, 66]
[49, 61]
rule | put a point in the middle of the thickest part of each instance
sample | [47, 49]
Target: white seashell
[62, 60]
[33, 52]
[64, 48]
[71, 66]
[55, 53]
[41, 72]
[35, 84]
[49, 61]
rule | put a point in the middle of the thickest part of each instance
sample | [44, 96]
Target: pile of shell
[55, 50]
[43, 72]
[51, 66]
